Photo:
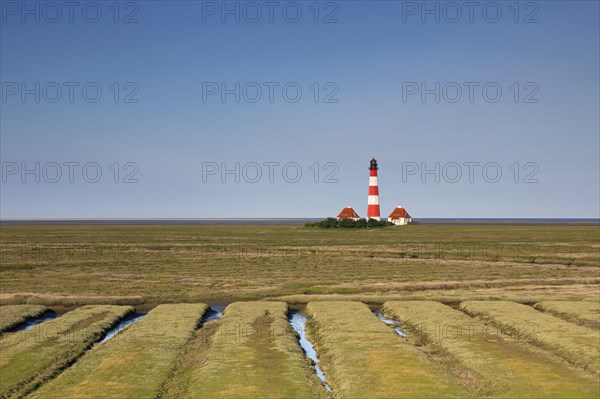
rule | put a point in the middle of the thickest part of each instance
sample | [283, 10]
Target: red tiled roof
[347, 213]
[399, 213]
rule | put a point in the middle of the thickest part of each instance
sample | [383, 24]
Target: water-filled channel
[120, 326]
[298, 323]
[392, 323]
[34, 321]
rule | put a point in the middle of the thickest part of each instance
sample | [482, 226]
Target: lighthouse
[373, 208]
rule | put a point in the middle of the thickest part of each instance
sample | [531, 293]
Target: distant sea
[286, 221]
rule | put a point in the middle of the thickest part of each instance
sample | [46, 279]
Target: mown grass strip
[30, 358]
[361, 357]
[12, 316]
[576, 344]
[133, 364]
[585, 313]
[485, 362]
[251, 352]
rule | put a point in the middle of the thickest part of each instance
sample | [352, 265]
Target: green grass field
[252, 352]
[361, 357]
[133, 364]
[585, 313]
[535, 287]
[72, 265]
[576, 344]
[485, 362]
[29, 358]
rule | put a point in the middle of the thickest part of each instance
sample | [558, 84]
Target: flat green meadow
[71, 265]
[498, 312]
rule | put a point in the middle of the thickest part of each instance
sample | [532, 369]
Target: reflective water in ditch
[214, 313]
[390, 322]
[120, 326]
[29, 324]
[298, 323]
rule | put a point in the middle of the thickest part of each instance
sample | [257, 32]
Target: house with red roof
[348, 213]
[399, 216]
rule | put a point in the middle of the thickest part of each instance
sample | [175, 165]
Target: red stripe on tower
[373, 207]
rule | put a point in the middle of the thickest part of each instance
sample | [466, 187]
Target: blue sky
[167, 131]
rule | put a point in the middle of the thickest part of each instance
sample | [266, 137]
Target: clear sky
[172, 122]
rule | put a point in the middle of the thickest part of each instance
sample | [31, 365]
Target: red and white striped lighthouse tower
[373, 208]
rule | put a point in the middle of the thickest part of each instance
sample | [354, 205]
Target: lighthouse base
[374, 218]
